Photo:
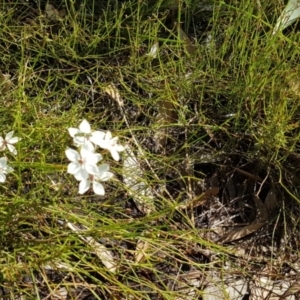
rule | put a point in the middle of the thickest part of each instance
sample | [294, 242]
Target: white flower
[8, 142]
[111, 144]
[4, 169]
[102, 175]
[153, 51]
[84, 163]
[85, 136]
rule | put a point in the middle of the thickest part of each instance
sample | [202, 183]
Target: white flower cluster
[84, 162]
[7, 142]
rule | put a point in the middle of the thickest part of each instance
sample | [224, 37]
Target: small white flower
[85, 136]
[153, 51]
[84, 163]
[8, 142]
[4, 169]
[111, 144]
[102, 175]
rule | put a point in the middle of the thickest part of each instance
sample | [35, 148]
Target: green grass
[234, 103]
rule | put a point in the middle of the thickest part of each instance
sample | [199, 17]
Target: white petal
[103, 144]
[114, 141]
[2, 143]
[85, 126]
[153, 51]
[73, 131]
[14, 140]
[80, 140]
[98, 188]
[89, 146]
[73, 168]
[103, 168]
[90, 156]
[91, 169]
[93, 159]
[119, 148]
[115, 154]
[78, 176]
[9, 169]
[105, 176]
[97, 136]
[9, 135]
[72, 154]
[86, 151]
[2, 177]
[12, 149]
[76, 144]
[108, 135]
[3, 162]
[82, 174]
[84, 185]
